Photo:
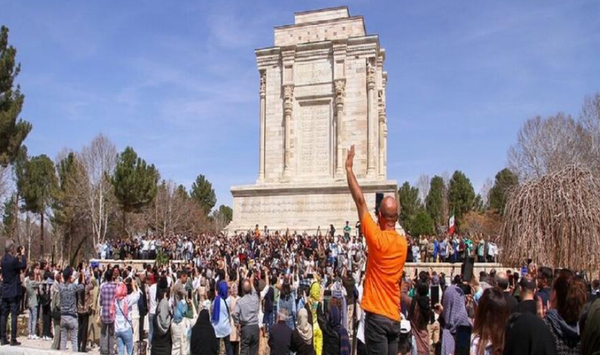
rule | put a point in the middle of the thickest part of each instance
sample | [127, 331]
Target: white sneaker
[29, 337]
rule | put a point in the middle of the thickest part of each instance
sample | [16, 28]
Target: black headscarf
[203, 340]
[526, 334]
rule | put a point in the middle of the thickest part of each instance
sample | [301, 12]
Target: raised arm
[355, 190]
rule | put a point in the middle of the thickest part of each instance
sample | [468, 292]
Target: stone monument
[322, 89]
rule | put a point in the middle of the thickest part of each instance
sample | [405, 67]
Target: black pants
[235, 345]
[141, 328]
[381, 335]
[46, 324]
[82, 331]
[249, 343]
[9, 306]
[107, 338]
[228, 347]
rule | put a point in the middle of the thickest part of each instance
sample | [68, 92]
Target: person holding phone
[385, 264]
[68, 309]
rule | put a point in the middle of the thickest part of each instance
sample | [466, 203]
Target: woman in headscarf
[123, 311]
[420, 315]
[455, 316]
[490, 322]
[161, 337]
[590, 342]
[181, 327]
[221, 319]
[567, 299]
[204, 340]
[302, 336]
[316, 317]
[337, 324]
[331, 338]
[526, 334]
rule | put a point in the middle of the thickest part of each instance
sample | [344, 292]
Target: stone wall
[447, 268]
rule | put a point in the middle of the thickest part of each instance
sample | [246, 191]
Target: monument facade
[322, 89]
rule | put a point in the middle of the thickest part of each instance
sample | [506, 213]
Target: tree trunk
[124, 222]
[76, 253]
[16, 222]
[42, 235]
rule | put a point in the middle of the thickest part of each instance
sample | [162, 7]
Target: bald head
[502, 281]
[388, 212]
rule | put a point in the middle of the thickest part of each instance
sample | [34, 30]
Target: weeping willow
[554, 220]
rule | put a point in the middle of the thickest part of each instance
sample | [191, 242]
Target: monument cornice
[327, 9]
[267, 57]
[318, 23]
[331, 187]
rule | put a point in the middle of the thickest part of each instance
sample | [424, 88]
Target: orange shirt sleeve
[370, 230]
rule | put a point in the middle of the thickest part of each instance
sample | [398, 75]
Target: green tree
[203, 194]
[13, 130]
[226, 212]
[478, 204]
[134, 182]
[422, 224]
[67, 211]
[38, 185]
[222, 216]
[434, 203]
[182, 192]
[504, 182]
[410, 204]
[9, 217]
[461, 195]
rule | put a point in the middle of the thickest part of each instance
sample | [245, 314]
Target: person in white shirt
[123, 314]
[181, 328]
[220, 315]
[151, 310]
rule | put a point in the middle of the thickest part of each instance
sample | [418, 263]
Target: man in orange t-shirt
[387, 254]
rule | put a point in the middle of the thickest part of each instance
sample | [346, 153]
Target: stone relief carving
[371, 75]
[288, 97]
[340, 90]
[263, 83]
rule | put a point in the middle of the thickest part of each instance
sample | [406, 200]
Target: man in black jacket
[11, 269]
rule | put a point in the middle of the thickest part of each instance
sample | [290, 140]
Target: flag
[451, 224]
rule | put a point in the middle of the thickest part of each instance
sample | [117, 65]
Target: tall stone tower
[322, 89]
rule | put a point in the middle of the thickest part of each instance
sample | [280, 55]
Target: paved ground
[44, 345]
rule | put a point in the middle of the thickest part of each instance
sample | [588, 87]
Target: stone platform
[301, 207]
[137, 264]
[446, 268]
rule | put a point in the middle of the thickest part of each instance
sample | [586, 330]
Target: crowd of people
[453, 249]
[284, 293]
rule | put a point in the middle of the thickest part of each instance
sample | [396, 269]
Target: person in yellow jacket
[316, 317]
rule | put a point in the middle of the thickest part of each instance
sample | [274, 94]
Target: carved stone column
[263, 112]
[340, 88]
[288, 106]
[382, 138]
[371, 122]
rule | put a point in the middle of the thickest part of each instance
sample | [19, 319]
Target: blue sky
[177, 80]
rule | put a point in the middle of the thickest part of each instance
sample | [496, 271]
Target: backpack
[45, 299]
[143, 304]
